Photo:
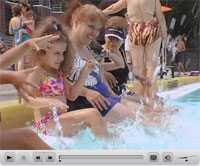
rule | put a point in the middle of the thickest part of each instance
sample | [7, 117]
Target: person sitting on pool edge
[51, 61]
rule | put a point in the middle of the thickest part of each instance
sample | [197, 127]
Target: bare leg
[179, 68]
[72, 122]
[138, 68]
[119, 113]
[182, 67]
[187, 64]
[136, 99]
[151, 62]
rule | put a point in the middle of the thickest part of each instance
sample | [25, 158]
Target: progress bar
[101, 159]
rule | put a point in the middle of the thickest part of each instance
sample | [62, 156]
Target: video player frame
[108, 82]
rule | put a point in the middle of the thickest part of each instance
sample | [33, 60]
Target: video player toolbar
[100, 158]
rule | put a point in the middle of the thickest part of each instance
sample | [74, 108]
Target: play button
[9, 157]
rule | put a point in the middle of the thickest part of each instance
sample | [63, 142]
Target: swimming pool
[180, 131]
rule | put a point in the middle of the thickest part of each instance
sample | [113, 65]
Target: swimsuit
[102, 88]
[16, 32]
[50, 87]
[94, 82]
[121, 74]
[25, 36]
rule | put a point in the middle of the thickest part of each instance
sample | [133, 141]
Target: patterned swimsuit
[49, 87]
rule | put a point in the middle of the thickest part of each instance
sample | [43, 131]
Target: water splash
[156, 72]
[58, 130]
[177, 130]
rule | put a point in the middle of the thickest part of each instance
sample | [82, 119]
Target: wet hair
[83, 13]
[16, 11]
[49, 26]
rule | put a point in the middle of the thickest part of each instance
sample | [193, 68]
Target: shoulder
[15, 22]
[12, 20]
[16, 19]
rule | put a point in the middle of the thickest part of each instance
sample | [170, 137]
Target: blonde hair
[83, 13]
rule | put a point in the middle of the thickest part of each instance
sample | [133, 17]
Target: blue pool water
[180, 131]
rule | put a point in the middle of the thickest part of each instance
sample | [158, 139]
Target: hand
[110, 79]
[18, 79]
[42, 103]
[97, 100]
[41, 43]
[90, 65]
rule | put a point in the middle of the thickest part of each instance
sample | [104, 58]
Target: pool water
[180, 131]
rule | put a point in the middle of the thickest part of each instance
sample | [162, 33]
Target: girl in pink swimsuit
[53, 86]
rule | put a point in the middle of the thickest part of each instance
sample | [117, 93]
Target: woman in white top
[143, 14]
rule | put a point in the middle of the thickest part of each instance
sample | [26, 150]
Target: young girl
[15, 24]
[143, 16]
[53, 85]
[16, 139]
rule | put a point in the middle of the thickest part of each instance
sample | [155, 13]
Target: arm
[27, 22]
[95, 98]
[18, 79]
[183, 46]
[15, 23]
[7, 77]
[106, 82]
[116, 7]
[110, 79]
[10, 28]
[74, 90]
[14, 54]
[30, 24]
[20, 139]
[161, 20]
[26, 48]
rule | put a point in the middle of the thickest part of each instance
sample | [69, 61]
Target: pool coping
[179, 91]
